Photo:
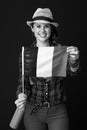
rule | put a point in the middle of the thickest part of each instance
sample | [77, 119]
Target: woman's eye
[47, 26]
[38, 26]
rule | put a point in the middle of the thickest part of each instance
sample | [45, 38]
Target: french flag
[46, 61]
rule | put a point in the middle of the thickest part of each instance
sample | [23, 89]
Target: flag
[46, 61]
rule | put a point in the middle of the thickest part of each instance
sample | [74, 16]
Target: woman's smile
[43, 35]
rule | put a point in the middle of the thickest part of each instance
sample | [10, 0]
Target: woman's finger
[22, 95]
[20, 101]
[69, 49]
[22, 106]
[74, 52]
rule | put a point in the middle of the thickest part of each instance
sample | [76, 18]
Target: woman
[44, 99]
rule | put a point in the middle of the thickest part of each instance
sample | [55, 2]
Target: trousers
[53, 118]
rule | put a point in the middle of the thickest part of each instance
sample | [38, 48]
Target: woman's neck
[42, 44]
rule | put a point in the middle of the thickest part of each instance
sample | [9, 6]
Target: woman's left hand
[73, 53]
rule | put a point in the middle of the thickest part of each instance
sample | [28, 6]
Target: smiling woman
[45, 102]
[42, 32]
[47, 32]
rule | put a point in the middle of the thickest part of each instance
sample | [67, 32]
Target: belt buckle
[48, 104]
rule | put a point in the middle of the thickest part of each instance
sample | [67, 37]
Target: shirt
[41, 89]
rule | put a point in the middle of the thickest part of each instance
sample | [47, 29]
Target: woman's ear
[32, 29]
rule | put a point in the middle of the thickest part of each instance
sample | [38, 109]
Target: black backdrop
[16, 33]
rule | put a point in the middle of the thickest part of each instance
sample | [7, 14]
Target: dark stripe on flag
[59, 65]
[32, 61]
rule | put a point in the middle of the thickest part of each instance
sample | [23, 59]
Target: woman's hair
[53, 38]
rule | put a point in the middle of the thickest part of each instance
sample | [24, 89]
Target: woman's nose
[43, 29]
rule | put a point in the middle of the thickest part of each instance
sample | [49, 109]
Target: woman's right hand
[21, 101]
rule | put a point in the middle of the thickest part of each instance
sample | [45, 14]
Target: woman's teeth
[42, 35]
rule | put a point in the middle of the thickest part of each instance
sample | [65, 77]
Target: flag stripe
[44, 61]
[32, 61]
[55, 62]
[59, 63]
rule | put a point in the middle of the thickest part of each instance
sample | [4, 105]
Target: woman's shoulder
[29, 49]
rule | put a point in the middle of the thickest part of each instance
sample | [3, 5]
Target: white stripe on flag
[44, 61]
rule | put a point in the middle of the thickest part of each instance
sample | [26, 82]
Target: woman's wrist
[74, 63]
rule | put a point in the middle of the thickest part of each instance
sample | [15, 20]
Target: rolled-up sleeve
[73, 68]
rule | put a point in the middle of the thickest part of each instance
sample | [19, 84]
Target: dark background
[15, 33]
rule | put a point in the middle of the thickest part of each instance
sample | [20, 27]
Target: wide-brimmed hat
[43, 16]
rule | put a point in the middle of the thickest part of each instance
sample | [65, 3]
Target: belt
[43, 105]
[40, 105]
[46, 105]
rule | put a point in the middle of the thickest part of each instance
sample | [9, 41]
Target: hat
[42, 16]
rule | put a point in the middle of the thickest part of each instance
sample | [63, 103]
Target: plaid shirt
[40, 90]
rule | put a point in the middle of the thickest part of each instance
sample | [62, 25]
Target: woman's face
[42, 31]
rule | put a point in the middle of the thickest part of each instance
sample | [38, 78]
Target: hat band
[42, 18]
